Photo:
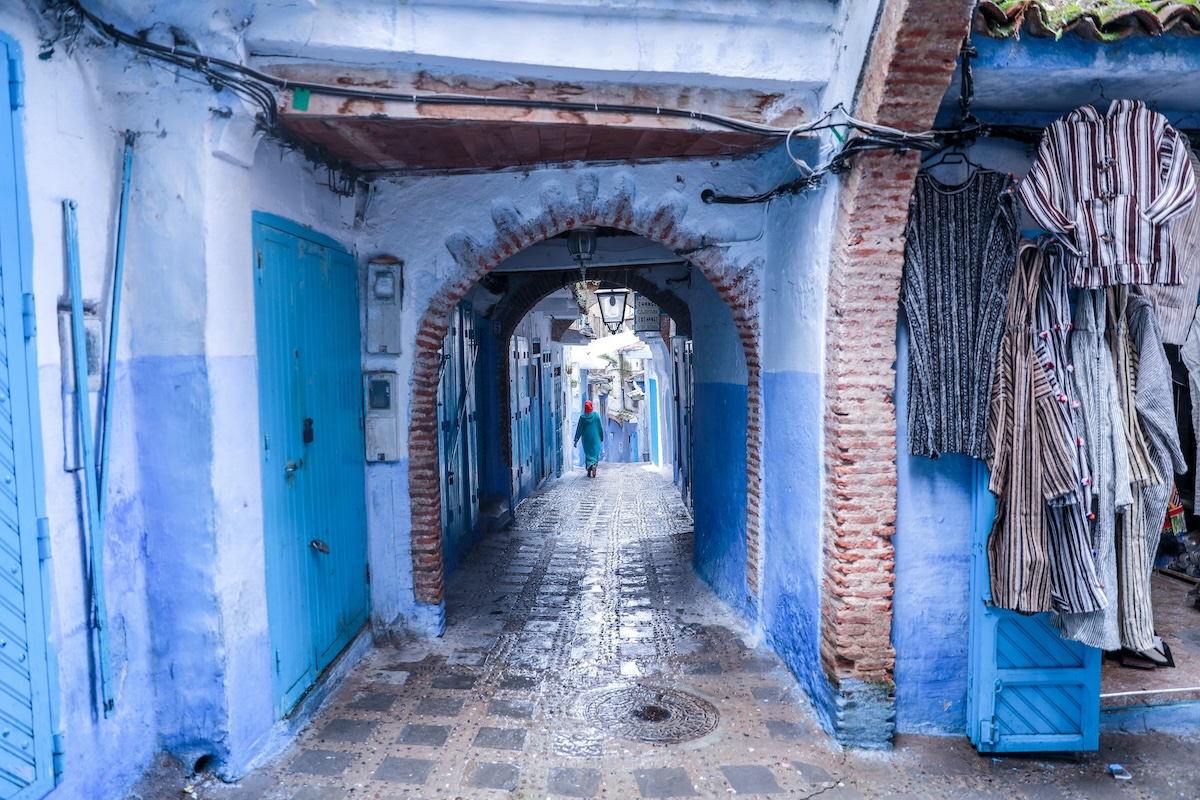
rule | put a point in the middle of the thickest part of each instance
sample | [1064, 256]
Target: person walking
[591, 431]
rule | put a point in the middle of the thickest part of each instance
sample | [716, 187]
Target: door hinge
[59, 744]
[367, 570]
[987, 731]
[259, 259]
[277, 662]
[28, 315]
[43, 538]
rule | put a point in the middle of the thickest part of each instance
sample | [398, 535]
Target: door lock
[319, 546]
[292, 466]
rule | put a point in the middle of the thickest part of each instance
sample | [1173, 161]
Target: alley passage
[583, 658]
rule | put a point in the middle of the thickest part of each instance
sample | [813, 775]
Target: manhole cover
[654, 714]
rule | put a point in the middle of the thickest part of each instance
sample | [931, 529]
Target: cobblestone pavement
[583, 658]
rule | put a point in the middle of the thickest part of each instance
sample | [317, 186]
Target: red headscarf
[587, 406]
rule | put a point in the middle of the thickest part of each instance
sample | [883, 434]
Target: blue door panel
[652, 399]
[310, 415]
[26, 704]
[1028, 688]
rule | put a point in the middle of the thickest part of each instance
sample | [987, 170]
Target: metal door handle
[319, 546]
[292, 466]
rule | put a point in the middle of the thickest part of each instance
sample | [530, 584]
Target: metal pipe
[83, 407]
[114, 318]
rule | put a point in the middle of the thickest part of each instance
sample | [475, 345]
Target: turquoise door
[26, 696]
[652, 399]
[1028, 689]
[310, 409]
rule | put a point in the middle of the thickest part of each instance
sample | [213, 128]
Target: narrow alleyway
[583, 658]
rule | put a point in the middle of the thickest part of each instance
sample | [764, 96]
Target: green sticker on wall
[300, 99]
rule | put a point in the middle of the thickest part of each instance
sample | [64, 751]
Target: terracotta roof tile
[1098, 20]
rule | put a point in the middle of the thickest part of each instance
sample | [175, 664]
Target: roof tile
[1098, 20]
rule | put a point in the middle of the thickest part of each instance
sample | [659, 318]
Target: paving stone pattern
[592, 589]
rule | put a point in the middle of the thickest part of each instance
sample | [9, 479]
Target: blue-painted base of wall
[719, 491]
[791, 599]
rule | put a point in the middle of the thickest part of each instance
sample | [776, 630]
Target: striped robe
[1032, 461]
[959, 249]
[1074, 584]
[1096, 384]
[1137, 539]
[1109, 185]
[1175, 306]
[1189, 353]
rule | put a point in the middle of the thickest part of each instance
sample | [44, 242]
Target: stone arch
[658, 222]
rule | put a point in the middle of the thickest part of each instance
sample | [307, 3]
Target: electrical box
[93, 335]
[382, 426]
[385, 299]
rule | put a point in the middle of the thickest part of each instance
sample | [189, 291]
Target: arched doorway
[731, 289]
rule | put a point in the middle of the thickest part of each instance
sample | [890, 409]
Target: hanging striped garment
[1032, 462]
[1175, 306]
[958, 257]
[1104, 436]
[1137, 539]
[1074, 584]
[1109, 185]
[1189, 353]
[1142, 471]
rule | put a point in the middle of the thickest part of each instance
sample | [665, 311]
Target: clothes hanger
[954, 154]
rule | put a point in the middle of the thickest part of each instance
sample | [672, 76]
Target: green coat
[591, 430]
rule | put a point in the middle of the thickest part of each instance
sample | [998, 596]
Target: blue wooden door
[652, 398]
[310, 407]
[26, 700]
[1028, 689]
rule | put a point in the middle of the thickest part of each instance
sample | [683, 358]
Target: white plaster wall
[66, 158]
[728, 42]
[412, 217]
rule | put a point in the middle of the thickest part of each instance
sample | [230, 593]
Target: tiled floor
[592, 591]
[1177, 621]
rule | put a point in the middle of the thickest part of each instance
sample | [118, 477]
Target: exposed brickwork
[910, 67]
[563, 210]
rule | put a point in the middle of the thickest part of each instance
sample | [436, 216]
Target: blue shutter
[1029, 690]
[26, 748]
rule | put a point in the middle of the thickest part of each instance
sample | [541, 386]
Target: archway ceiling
[377, 135]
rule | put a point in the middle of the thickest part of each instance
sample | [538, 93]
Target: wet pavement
[583, 658]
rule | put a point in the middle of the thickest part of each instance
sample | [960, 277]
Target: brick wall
[910, 67]
[512, 232]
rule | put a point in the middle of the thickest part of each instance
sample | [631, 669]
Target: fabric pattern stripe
[1032, 460]
[1175, 306]
[959, 253]
[1108, 185]
[1095, 381]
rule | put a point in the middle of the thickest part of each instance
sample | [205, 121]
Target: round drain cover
[655, 714]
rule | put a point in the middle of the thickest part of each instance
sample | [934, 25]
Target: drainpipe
[95, 524]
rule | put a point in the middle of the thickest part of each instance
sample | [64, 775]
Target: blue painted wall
[393, 603]
[931, 602]
[171, 395]
[792, 554]
[719, 490]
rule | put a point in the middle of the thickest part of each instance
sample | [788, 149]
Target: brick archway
[662, 223]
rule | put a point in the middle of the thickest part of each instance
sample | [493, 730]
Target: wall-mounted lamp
[581, 242]
[612, 307]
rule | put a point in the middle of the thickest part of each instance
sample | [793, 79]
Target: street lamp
[581, 243]
[612, 307]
